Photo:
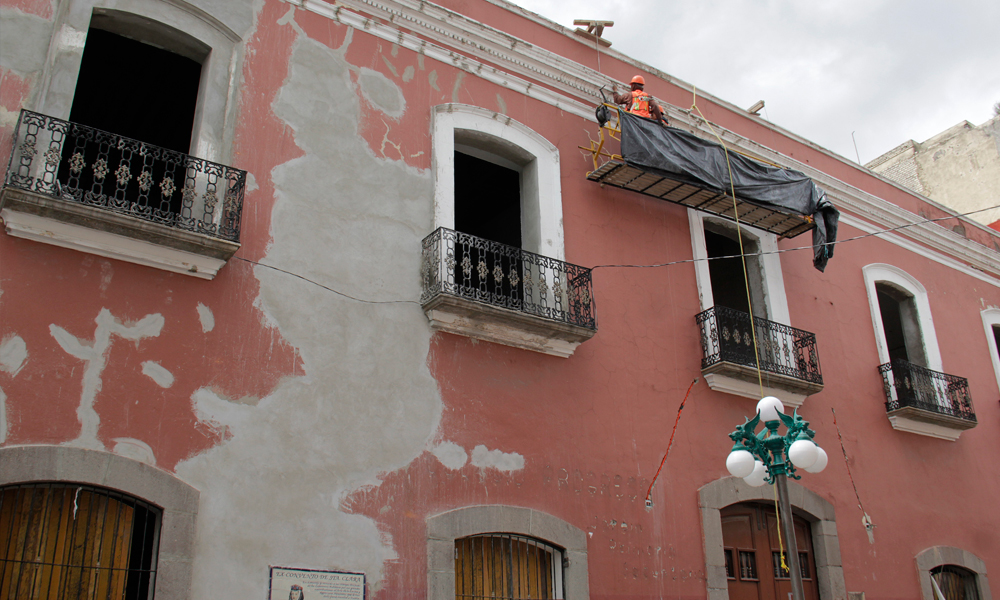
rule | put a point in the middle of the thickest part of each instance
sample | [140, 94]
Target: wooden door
[753, 565]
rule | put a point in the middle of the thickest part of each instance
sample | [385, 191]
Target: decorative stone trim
[715, 496]
[177, 500]
[443, 529]
[935, 556]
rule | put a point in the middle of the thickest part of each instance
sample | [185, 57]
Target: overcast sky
[888, 70]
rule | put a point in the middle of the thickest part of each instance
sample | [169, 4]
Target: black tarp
[673, 153]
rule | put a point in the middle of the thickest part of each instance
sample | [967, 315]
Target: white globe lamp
[769, 408]
[756, 478]
[803, 453]
[821, 460]
[740, 462]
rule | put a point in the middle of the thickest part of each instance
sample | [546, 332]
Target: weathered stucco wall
[307, 400]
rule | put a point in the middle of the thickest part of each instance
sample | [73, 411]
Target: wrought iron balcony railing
[76, 163]
[726, 337]
[911, 386]
[464, 266]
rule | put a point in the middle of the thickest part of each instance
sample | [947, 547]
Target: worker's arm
[654, 110]
[622, 98]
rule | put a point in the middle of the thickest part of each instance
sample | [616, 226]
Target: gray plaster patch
[408, 74]
[451, 455]
[367, 403]
[502, 105]
[432, 79]
[382, 92]
[206, 317]
[158, 374]
[24, 43]
[484, 458]
[457, 87]
[13, 353]
[135, 449]
[94, 355]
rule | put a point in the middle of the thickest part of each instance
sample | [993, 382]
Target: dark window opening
[73, 541]
[488, 206]
[996, 337]
[138, 91]
[730, 566]
[903, 339]
[487, 200]
[955, 583]
[729, 284]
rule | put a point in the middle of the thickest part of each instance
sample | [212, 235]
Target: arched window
[61, 540]
[504, 566]
[952, 582]
[504, 552]
[89, 522]
[949, 573]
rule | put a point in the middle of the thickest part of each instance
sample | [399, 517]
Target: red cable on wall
[649, 492]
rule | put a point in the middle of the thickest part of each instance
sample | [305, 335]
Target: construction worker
[639, 102]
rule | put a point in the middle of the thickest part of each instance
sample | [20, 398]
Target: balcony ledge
[740, 380]
[469, 318]
[99, 231]
[929, 423]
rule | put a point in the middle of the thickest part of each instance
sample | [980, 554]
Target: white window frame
[215, 113]
[535, 157]
[900, 279]
[773, 281]
[991, 318]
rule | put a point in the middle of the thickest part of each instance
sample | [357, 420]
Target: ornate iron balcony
[79, 164]
[783, 351]
[926, 395]
[476, 287]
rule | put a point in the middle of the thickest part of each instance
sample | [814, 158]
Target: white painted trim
[747, 389]
[541, 212]
[880, 272]
[908, 425]
[109, 245]
[473, 47]
[991, 317]
[215, 114]
[770, 260]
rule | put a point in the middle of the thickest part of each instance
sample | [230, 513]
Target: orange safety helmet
[638, 79]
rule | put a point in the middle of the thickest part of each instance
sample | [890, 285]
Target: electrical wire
[649, 492]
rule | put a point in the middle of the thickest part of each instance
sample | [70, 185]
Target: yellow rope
[781, 546]
[739, 237]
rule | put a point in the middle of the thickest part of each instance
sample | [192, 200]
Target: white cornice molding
[508, 61]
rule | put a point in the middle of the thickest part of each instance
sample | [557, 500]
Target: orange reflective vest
[640, 104]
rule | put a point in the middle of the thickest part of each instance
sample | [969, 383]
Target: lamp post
[767, 457]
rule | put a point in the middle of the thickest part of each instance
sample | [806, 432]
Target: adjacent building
[347, 299]
[959, 167]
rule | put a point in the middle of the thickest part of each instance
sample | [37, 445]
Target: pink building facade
[277, 355]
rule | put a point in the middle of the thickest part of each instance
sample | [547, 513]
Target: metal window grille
[76, 542]
[955, 582]
[726, 336]
[507, 567]
[907, 384]
[782, 573]
[748, 565]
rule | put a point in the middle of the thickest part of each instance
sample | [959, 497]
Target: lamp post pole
[768, 457]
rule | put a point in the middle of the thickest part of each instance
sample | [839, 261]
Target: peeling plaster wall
[366, 402]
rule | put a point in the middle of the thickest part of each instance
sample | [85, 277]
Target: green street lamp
[767, 457]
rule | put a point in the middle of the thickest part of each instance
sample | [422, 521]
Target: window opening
[138, 91]
[954, 583]
[729, 288]
[76, 541]
[996, 337]
[488, 206]
[507, 567]
[900, 325]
